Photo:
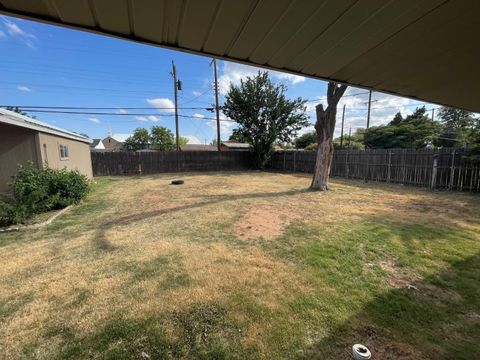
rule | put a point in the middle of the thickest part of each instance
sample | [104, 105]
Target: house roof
[16, 119]
[367, 44]
[197, 147]
[120, 137]
[95, 142]
[236, 145]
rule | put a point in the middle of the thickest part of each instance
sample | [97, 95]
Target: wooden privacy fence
[442, 169]
[132, 163]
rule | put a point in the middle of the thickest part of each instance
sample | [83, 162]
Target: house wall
[79, 154]
[111, 144]
[17, 146]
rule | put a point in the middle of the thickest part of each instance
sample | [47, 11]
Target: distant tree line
[159, 138]
[454, 128]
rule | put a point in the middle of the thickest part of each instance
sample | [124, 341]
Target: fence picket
[442, 169]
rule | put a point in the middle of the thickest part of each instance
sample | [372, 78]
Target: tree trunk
[322, 165]
[325, 128]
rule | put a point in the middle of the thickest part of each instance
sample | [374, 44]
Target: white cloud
[383, 109]
[305, 130]
[17, 32]
[192, 139]
[198, 116]
[94, 120]
[121, 111]
[294, 79]
[226, 126]
[24, 88]
[147, 118]
[196, 93]
[232, 73]
[162, 104]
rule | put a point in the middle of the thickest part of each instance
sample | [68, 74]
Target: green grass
[141, 266]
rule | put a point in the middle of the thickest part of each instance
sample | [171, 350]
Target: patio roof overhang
[422, 49]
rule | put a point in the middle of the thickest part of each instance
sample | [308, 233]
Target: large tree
[414, 131]
[325, 127]
[139, 140]
[457, 126]
[162, 138]
[264, 115]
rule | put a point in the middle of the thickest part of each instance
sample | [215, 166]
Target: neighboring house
[115, 142]
[235, 146]
[97, 144]
[197, 147]
[23, 140]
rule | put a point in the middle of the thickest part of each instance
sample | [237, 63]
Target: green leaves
[264, 114]
[37, 190]
[159, 138]
[162, 138]
[414, 131]
[139, 140]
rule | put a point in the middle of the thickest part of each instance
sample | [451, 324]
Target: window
[63, 152]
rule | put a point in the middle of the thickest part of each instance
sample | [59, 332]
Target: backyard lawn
[246, 265]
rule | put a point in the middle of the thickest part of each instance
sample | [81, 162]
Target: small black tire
[177, 182]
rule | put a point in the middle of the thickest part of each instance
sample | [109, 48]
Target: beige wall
[79, 154]
[17, 146]
[112, 144]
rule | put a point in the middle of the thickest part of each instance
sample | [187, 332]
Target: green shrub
[11, 213]
[37, 190]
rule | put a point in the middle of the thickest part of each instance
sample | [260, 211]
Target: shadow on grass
[102, 243]
[202, 331]
[438, 318]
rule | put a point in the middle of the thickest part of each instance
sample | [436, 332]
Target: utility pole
[343, 123]
[217, 108]
[175, 91]
[369, 107]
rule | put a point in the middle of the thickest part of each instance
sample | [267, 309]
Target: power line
[196, 97]
[32, 107]
[129, 114]
[324, 97]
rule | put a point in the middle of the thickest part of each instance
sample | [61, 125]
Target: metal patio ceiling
[423, 49]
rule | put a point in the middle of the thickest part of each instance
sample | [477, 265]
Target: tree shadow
[103, 244]
[214, 199]
[435, 318]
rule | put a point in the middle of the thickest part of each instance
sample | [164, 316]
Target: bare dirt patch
[265, 222]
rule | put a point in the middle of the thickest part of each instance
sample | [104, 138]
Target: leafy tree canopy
[162, 138]
[159, 138]
[306, 139]
[264, 114]
[182, 140]
[414, 131]
[139, 140]
[457, 127]
[353, 142]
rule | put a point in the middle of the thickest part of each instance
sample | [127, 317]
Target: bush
[38, 190]
[11, 213]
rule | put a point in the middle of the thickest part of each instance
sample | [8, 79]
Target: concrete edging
[35, 226]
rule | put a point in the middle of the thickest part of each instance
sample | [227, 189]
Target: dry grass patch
[265, 222]
[245, 265]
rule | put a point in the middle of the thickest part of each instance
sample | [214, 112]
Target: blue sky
[43, 65]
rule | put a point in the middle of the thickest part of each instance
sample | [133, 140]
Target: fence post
[294, 160]
[434, 171]
[452, 171]
[389, 168]
[346, 164]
